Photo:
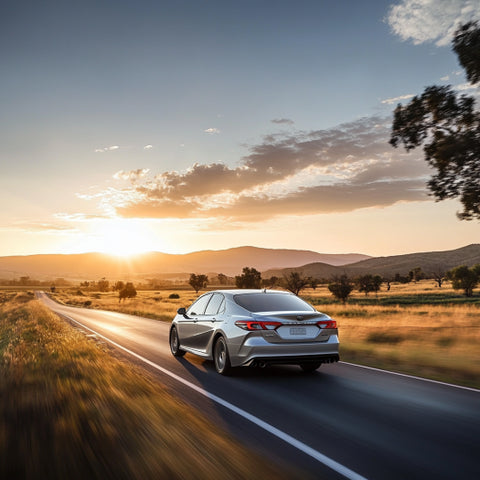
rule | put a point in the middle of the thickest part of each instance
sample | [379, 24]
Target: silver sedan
[254, 328]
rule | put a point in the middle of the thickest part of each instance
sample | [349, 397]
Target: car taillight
[252, 325]
[327, 324]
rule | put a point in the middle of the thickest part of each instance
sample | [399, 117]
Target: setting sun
[124, 237]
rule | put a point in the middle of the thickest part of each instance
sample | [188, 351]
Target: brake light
[327, 324]
[252, 325]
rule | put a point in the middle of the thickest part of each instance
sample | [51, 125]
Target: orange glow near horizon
[126, 237]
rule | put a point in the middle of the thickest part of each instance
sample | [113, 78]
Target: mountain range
[271, 262]
[429, 262]
[91, 266]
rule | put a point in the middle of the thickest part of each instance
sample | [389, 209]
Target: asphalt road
[344, 421]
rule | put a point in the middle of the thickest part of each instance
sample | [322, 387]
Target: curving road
[344, 421]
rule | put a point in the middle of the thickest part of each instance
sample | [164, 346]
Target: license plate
[298, 330]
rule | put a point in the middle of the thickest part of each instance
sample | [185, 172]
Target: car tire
[175, 344]
[221, 357]
[310, 366]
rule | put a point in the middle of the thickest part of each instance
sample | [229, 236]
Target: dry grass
[71, 410]
[439, 342]
[150, 304]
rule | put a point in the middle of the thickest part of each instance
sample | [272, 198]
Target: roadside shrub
[87, 303]
[174, 295]
[385, 337]
[445, 341]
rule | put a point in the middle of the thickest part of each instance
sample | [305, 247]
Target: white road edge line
[332, 464]
[412, 376]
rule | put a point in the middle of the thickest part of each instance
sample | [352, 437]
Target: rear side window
[198, 308]
[215, 304]
[272, 302]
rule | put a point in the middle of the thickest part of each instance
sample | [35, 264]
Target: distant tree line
[341, 286]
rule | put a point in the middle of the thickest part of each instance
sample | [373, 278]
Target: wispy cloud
[132, 175]
[148, 147]
[45, 227]
[282, 121]
[212, 131]
[341, 169]
[107, 149]
[431, 21]
[391, 101]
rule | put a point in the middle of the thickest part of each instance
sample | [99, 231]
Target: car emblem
[299, 317]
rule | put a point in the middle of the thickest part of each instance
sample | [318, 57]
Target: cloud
[466, 86]
[282, 121]
[391, 101]
[80, 217]
[132, 175]
[340, 169]
[41, 227]
[212, 131]
[148, 147]
[107, 149]
[431, 21]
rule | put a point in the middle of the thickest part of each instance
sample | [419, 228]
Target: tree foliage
[465, 278]
[271, 282]
[448, 127]
[197, 282]
[369, 283]
[128, 291]
[341, 287]
[295, 282]
[416, 274]
[466, 44]
[103, 285]
[250, 278]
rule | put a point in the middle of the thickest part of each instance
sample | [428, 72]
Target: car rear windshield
[272, 302]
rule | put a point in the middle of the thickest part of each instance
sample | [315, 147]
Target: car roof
[245, 291]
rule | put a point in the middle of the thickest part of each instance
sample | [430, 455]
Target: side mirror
[182, 311]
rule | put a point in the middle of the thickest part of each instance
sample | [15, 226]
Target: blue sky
[180, 126]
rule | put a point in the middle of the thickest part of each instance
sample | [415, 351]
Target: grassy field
[417, 328]
[69, 409]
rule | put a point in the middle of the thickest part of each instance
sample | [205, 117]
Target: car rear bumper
[257, 351]
[292, 360]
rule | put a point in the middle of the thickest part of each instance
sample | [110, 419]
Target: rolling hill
[92, 266]
[429, 262]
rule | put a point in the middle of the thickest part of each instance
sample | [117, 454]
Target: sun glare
[124, 237]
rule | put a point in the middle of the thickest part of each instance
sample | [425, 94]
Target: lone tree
[197, 282]
[341, 288]
[448, 126]
[369, 283]
[250, 278]
[271, 282]
[295, 282]
[438, 274]
[416, 274]
[128, 291]
[464, 278]
[103, 285]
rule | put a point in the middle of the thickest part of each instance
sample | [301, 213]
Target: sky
[178, 126]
